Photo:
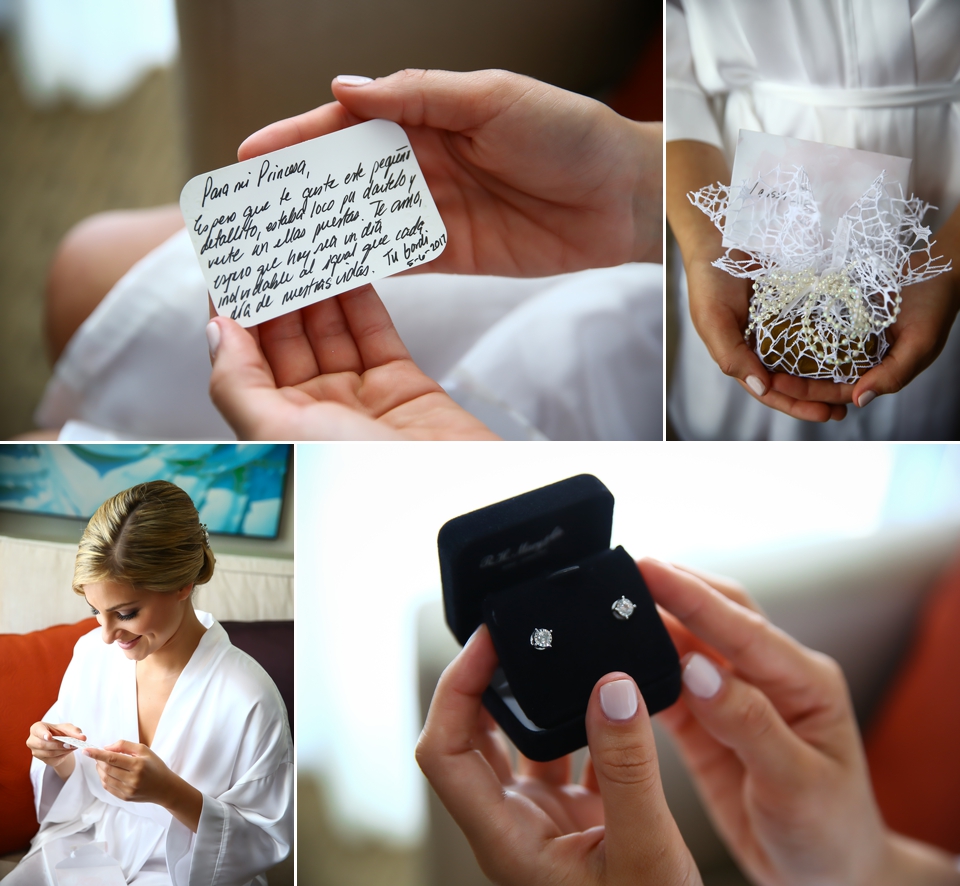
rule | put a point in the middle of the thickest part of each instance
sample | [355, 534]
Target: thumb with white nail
[642, 843]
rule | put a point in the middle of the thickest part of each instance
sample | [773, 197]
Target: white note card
[838, 178]
[75, 742]
[287, 229]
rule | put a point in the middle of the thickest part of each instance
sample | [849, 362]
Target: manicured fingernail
[755, 385]
[701, 677]
[474, 635]
[46, 736]
[866, 397]
[213, 338]
[353, 79]
[618, 699]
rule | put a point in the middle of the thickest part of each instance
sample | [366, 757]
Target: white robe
[571, 357]
[880, 75]
[223, 730]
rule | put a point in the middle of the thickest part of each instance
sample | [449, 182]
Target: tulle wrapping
[822, 301]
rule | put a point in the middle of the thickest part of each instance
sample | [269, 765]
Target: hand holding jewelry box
[765, 727]
[531, 823]
[562, 609]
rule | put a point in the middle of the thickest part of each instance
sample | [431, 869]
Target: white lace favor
[821, 302]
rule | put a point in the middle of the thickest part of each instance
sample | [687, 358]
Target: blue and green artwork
[237, 488]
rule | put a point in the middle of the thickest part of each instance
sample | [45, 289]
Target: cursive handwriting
[282, 233]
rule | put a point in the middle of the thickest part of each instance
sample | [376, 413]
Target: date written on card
[287, 229]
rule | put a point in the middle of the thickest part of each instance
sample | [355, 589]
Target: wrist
[183, 801]
[645, 156]
[908, 862]
[64, 766]
[946, 246]
[953, 281]
[699, 240]
[693, 165]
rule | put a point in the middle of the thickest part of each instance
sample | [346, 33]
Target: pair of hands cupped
[128, 770]
[719, 305]
[718, 308]
[530, 181]
[764, 725]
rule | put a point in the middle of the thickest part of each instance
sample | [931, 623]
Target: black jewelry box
[538, 570]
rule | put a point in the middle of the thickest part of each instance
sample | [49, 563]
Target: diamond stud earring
[623, 609]
[541, 639]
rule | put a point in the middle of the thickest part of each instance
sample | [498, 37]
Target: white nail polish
[701, 677]
[618, 699]
[755, 385]
[353, 79]
[866, 397]
[213, 338]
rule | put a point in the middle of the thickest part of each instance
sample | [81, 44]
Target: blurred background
[107, 104]
[840, 545]
[237, 489]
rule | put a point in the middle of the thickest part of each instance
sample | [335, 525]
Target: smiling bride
[188, 772]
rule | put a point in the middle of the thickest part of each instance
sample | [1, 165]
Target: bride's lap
[92, 257]
[30, 872]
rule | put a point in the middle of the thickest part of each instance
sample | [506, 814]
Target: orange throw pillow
[31, 669]
[913, 745]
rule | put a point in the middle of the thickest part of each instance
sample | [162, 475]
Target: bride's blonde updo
[149, 537]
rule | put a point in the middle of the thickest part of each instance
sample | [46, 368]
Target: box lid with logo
[538, 570]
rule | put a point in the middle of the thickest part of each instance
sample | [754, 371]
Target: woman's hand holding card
[44, 746]
[531, 180]
[336, 370]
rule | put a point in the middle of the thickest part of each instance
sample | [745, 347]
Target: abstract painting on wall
[237, 488]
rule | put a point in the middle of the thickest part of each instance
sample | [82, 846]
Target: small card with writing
[287, 229]
[74, 742]
[838, 178]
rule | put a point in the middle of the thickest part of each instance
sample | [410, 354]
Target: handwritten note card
[838, 178]
[304, 223]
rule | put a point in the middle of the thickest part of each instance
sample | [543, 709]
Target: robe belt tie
[869, 97]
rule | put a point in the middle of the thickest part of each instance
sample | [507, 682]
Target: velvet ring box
[538, 570]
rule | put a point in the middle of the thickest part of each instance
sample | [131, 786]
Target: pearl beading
[821, 311]
[836, 325]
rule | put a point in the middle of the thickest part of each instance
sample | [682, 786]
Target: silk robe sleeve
[223, 730]
[248, 828]
[687, 109]
[59, 801]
